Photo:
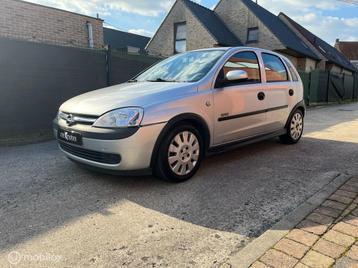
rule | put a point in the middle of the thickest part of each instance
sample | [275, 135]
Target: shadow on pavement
[244, 191]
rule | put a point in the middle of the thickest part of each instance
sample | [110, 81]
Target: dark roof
[349, 49]
[328, 51]
[213, 24]
[118, 39]
[280, 30]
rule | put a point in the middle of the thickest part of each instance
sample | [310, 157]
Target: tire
[180, 154]
[294, 128]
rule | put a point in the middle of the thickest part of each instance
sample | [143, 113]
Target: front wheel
[294, 129]
[180, 154]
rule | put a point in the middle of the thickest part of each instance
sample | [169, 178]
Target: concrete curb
[253, 251]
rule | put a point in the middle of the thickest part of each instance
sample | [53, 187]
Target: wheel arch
[190, 118]
[299, 106]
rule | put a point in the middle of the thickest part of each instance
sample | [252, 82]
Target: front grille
[73, 119]
[104, 158]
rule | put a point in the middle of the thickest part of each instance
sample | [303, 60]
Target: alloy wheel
[296, 127]
[183, 153]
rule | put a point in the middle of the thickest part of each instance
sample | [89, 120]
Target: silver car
[166, 119]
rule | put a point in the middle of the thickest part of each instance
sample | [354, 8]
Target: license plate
[69, 136]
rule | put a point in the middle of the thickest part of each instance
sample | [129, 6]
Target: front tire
[294, 128]
[180, 154]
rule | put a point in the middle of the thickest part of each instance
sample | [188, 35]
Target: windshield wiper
[161, 80]
[133, 81]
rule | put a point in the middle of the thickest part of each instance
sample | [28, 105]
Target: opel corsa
[166, 119]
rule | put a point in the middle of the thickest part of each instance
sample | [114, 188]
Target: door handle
[261, 96]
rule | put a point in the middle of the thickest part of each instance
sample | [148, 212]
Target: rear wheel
[294, 128]
[180, 154]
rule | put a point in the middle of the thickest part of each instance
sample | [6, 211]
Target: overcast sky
[329, 19]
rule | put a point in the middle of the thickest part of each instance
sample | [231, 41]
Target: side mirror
[236, 75]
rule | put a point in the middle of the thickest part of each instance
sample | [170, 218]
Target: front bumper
[135, 151]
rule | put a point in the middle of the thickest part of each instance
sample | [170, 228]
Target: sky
[329, 19]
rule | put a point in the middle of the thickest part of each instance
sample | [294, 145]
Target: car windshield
[186, 67]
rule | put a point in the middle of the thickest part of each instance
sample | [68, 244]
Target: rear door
[239, 111]
[276, 87]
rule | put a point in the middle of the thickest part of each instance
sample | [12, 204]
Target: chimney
[337, 40]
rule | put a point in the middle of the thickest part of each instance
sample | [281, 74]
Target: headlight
[125, 117]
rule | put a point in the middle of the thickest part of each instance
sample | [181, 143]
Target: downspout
[90, 35]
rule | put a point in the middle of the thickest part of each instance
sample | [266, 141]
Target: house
[331, 58]
[349, 49]
[132, 43]
[232, 23]
[258, 27]
[36, 23]
[189, 26]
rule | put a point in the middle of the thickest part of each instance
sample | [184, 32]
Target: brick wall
[31, 22]
[198, 37]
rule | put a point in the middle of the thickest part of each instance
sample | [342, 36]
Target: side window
[274, 68]
[246, 61]
[252, 35]
[292, 70]
[180, 37]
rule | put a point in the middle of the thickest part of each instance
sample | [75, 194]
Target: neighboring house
[349, 49]
[255, 26]
[191, 26]
[132, 43]
[331, 59]
[32, 22]
[236, 22]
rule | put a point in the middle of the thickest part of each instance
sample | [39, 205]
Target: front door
[239, 106]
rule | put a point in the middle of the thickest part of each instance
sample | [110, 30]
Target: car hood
[141, 94]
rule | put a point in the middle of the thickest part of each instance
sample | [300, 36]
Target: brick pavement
[328, 237]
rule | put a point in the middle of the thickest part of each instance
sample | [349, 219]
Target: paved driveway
[53, 213]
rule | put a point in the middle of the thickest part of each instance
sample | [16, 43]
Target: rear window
[274, 68]
[292, 70]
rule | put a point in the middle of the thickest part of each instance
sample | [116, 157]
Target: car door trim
[226, 118]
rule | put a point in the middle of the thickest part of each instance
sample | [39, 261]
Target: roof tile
[349, 49]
